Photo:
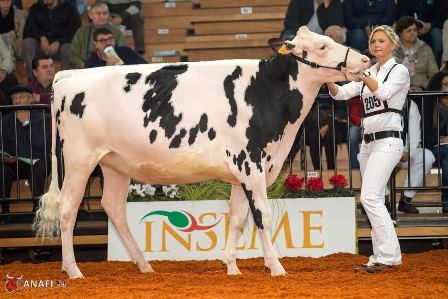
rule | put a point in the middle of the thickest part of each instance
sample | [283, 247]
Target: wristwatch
[366, 73]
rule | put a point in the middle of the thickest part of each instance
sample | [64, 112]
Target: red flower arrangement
[315, 187]
[338, 181]
[293, 182]
[315, 184]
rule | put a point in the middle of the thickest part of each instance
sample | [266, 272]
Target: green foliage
[205, 190]
[277, 189]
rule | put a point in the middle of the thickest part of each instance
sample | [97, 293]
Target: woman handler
[383, 91]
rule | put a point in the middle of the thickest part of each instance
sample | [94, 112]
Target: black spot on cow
[77, 108]
[229, 88]
[268, 158]
[58, 115]
[240, 160]
[63, 104]
[270, 168]
[152, 136]
[256, 213]
[193, 134]
[234, 160]
[263, 154]
[175, 143]
[156, 101]
[211, 134]
[247, 168]
[274, 104]
[132, 79]
[227, 153]
[203, 123]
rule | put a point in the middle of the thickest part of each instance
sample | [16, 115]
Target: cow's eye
[322, 47]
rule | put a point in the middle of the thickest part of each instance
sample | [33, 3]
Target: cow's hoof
[277, 269]
[233, 272]
[147, 269]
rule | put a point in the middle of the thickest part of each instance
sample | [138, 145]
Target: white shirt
[394, 91]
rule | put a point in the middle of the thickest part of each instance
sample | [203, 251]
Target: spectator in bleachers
[80, 5]
[361, 16]
[317, 15]
[49, 29]
[7, 66]
[445, 46]
[104, 38]
[43, 74]
[431, 14]
[18, 128]
[319, 132]
[415, 54]
[12, 23]
[82, 43]
[440, 82]
[129, 14]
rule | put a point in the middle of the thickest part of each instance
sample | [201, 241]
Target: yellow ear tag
[283, 50]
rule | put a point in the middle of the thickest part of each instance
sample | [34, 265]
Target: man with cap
[26, 146]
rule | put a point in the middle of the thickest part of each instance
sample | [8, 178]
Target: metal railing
[338, 114]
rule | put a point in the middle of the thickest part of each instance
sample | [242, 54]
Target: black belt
[381, 135]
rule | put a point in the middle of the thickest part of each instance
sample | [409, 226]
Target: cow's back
[165, 121]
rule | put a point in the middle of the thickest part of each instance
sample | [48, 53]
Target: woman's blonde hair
[389, 31]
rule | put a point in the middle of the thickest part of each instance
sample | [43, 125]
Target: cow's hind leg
[114, 203]
[255, 189]
[238, 213]
[68, 203]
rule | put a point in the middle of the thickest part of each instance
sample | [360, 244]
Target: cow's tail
[46, 221]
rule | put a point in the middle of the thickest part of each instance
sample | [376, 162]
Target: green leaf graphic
[176, 218]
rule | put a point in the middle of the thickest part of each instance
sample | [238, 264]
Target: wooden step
[239, 10]
[171, 22]
[231, 37]
[411, 232]
[237, 3]
[167, 9]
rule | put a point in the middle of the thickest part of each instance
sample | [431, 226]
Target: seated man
[128, 13]
[49, 29]
[26, 147]
[12, 22]
[7, 66]
[413, 158]
[104, 38]
[43, 74]
[82, 43]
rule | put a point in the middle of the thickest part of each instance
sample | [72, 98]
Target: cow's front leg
[238, 213]
[255, 191]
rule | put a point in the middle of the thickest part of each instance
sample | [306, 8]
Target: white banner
[197, 230]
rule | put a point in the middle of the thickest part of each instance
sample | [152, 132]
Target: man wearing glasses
[104, 39]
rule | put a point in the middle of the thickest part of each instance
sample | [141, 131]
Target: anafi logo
[12, 283]
[183, 221]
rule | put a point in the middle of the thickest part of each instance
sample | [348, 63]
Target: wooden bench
[237, 3]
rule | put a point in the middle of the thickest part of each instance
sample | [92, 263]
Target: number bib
[371, 103]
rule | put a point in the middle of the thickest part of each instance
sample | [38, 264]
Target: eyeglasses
[104, 40]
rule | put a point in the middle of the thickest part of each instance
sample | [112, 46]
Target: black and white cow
[232, 120]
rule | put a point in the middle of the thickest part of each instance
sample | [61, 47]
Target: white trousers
[377, 160]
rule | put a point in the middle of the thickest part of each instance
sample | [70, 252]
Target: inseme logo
[180, 229]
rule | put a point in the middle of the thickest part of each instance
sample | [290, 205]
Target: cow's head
[330, 61]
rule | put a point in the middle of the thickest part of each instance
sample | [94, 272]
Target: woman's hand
[332, 88]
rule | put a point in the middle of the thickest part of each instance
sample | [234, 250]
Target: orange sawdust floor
[423, 275]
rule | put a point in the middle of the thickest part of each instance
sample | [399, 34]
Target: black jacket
[40, 136]
[59, 24]
[434, 12]
[300, 12]
[361, 13]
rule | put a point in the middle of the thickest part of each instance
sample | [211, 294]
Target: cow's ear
[278, 45]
